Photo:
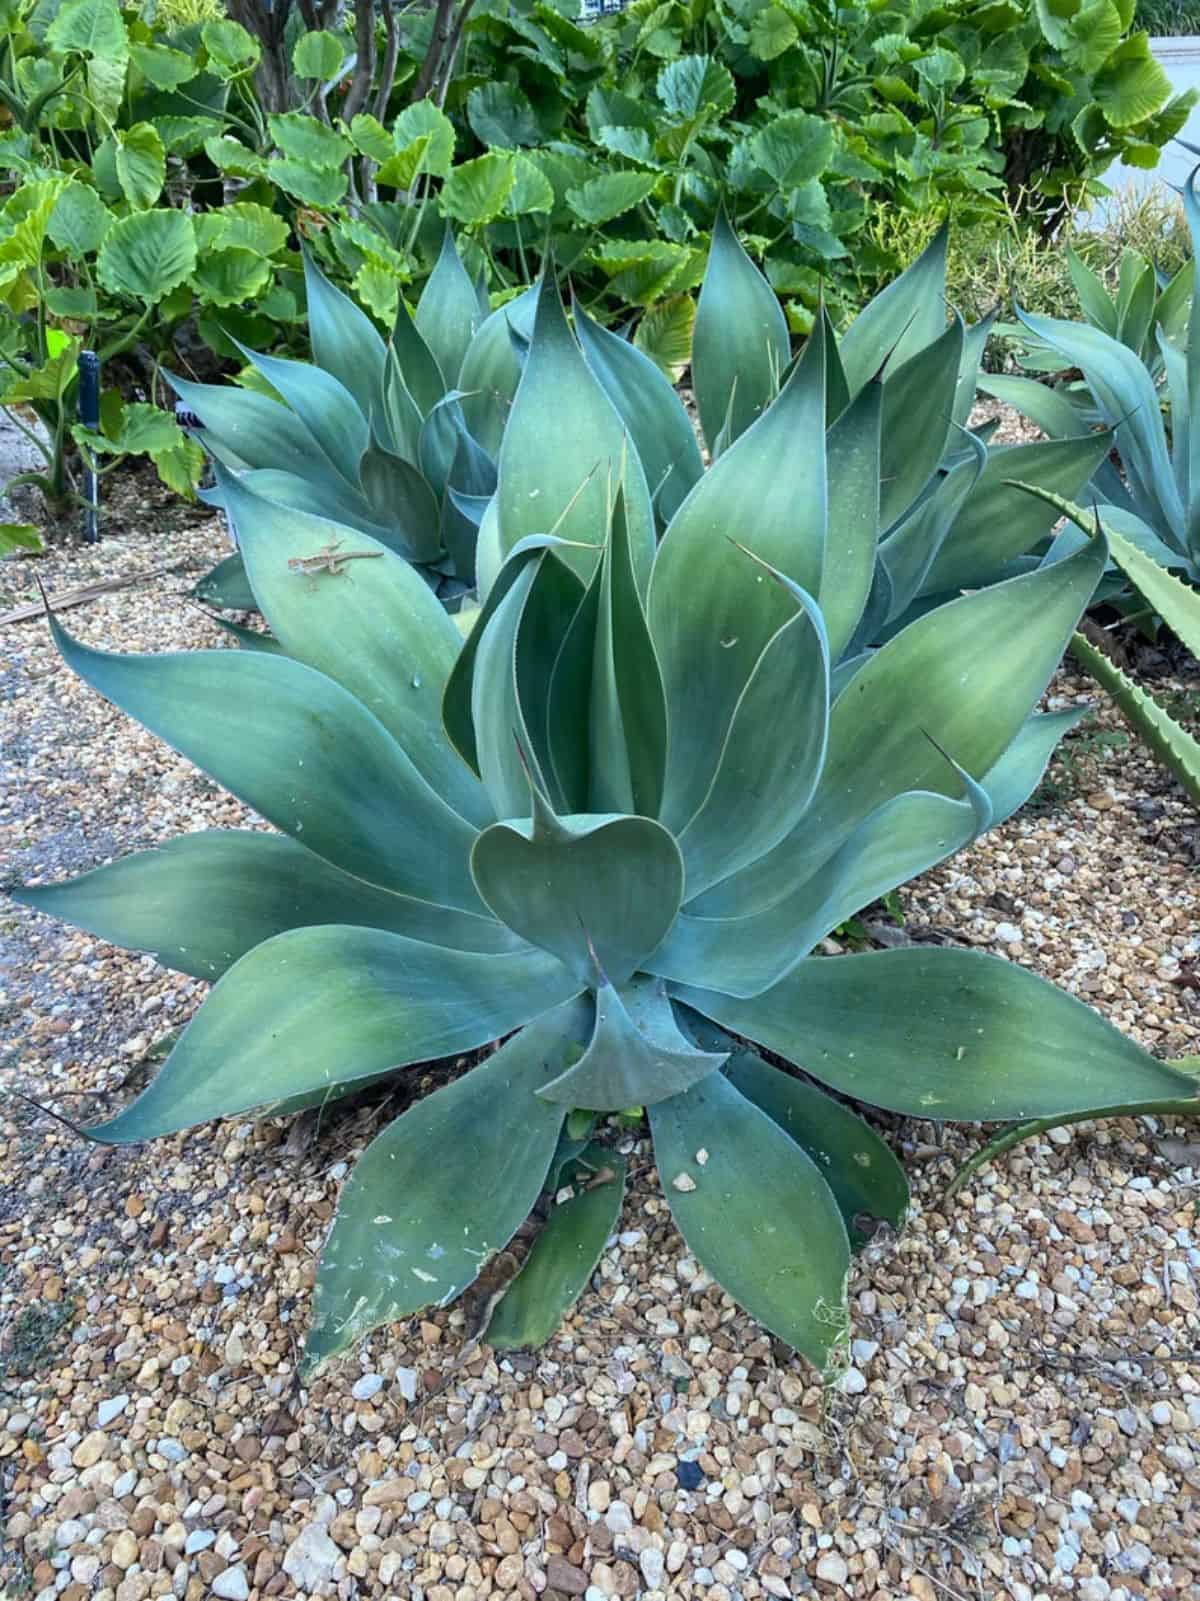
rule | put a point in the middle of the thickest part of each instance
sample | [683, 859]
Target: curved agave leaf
[375, 627]
[227, 586]
[244, 429]
[773, 753]
[325, 407]
[457, 701]
[492, 367]
[301, 751]
[1191, 207]
[448, 312]
[564, 1256]
[740, 343]
[422, 376]
[201, 901]
[508, 760]
[345, 341]
[944, 1033]
[318, 1011]
[327, 497]
[600, 892]
[1052, 411]
[852, 448]
[651, 410]
[867, 1181]
[396, 492]
[902, 319]
[711, 609]
[636, 1055]
[745, 955]
[628, 715]
[973, 702]
[440, 1191]
[566, 490]
[756, 1212]
[993, 525]
[918, 416]
[1128, 402]
[910, 551]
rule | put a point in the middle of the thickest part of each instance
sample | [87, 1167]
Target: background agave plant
[1154, 501]
[372, 435]
[609, 829]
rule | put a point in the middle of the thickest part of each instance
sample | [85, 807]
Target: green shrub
[611, 827]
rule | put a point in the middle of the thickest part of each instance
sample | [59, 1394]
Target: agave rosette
[609, 830]
[1153, 501]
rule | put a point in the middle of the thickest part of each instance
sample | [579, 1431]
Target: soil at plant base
[1021, 1413]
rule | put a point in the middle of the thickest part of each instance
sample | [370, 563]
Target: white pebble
[110, 1409]
[370, 1384]
[852, 1382]
[231, 1584]
[832, 1568]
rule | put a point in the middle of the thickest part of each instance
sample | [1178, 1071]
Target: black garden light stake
[89, 416]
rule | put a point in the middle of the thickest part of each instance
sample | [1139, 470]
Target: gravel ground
[1022, 1417]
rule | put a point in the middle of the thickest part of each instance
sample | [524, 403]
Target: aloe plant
[1154, 501]
[610, 830]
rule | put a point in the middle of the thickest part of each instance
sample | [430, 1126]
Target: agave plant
[948, 514]
[1179, 608]
[598, 843]
[372, 435]
[1154, 502]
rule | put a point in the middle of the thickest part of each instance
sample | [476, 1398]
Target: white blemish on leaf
[684, 1182]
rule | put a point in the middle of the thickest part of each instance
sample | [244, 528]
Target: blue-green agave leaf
[303, 752]
[201, 901]
[564, 1256]
[941, 1033]
[636, 1055]
[740, 343]
[756, 1213]
[651, 410]
[375, 627]
[599, 892]
[439, 1192]
[319, 1011]
[711, 608]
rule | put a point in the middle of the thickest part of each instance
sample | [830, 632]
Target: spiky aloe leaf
[1170, 741]
[564, 1256]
